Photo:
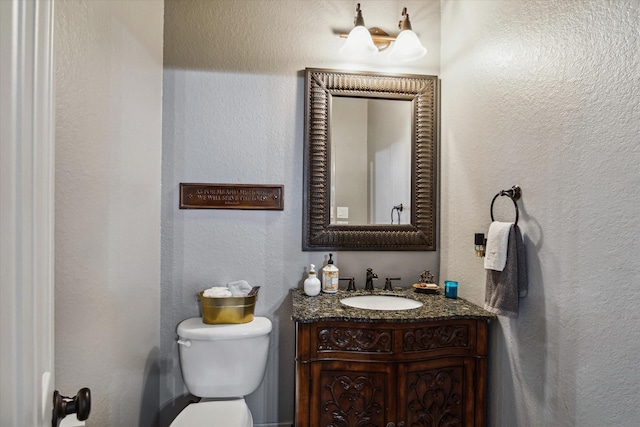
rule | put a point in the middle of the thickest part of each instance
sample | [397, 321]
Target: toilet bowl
[217, 413]
[221, 364]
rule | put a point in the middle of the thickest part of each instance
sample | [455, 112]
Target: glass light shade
[407, 47]
[359, 44]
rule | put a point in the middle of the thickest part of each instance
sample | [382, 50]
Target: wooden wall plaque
[231, 196]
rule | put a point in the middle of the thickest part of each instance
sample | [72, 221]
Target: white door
[27, 214]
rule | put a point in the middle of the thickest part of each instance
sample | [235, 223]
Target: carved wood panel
[350, 399]
[355, 339]
[435, 397]
[435, 337]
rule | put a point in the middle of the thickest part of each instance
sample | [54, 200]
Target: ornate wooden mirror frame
[318, 234]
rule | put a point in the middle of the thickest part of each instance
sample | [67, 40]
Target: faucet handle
[352, 284]
[387, 283]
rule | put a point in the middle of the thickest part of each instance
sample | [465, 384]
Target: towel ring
[514, 194]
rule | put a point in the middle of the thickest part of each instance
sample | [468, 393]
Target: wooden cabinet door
[436, 393]
[352, 394]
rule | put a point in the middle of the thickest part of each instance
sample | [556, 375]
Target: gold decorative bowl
[221, 310]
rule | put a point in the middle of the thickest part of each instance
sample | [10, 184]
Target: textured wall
[233, 113]
[547, 95]
[108, 154]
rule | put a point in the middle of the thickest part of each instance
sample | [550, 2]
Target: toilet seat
[215, 413]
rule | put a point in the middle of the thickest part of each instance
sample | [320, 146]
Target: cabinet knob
[391, 425]
[401, 424]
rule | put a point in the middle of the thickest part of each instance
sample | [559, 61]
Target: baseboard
[284, 424]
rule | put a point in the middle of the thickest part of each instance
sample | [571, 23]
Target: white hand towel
[217, 291]
[497, 243]
[239, 288]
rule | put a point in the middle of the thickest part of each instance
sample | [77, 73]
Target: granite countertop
[327, 307]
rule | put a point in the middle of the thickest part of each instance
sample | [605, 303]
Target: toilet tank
[220, 361]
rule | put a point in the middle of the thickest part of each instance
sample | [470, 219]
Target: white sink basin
[381, 302]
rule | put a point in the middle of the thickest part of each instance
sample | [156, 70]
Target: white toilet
[221, 364]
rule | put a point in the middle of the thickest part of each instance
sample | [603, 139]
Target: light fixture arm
[404, 24]
[359, 20]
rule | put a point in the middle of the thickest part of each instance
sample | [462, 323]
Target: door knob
[63, 406]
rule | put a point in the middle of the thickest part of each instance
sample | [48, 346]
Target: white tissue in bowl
[217, 291]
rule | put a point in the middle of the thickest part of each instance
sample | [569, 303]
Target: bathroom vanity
[425, 366]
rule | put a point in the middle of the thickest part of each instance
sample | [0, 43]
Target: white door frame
[26, 212]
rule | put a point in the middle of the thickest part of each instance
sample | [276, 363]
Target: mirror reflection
[370, 167]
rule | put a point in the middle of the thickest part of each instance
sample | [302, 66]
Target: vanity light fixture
[407, 46]
[363, 43]
[359, 42]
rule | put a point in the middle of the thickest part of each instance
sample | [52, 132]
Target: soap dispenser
[330, 277]
[312, 283]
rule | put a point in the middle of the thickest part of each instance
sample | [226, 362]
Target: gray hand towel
[504, 287]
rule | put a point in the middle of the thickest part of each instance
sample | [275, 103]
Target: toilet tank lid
[195, 329]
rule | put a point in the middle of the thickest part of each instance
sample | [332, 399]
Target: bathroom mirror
[370, 161]
[370, 172]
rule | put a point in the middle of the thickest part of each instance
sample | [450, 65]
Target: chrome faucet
[371, 276]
